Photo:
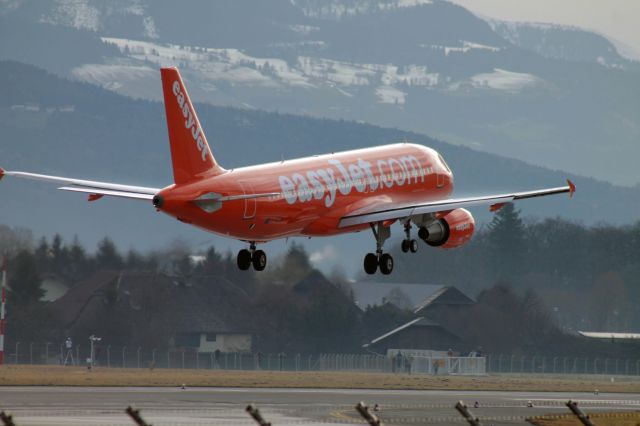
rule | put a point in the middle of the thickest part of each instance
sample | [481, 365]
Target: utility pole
[3, 308]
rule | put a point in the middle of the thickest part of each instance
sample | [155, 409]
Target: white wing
[389, 211]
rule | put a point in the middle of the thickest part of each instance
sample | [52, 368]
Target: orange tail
[190, 152]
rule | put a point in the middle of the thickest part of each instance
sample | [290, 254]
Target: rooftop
[415, 297]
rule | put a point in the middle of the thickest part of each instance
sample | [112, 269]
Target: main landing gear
[384, 261]
[257, 258]
[379, 259]
[408, 244]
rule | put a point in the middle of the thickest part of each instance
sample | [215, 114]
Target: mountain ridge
[431, 67]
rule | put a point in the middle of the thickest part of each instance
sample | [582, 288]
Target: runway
[225, 406]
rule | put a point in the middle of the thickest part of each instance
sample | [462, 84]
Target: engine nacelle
[449, 230]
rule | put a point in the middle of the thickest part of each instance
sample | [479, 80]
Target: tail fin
[190, 153]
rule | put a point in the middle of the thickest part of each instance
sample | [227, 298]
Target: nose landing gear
[379, 259]
[257, 258]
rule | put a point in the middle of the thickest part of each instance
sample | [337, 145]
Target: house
[156, 310]
[402, 295]
[429, 330]
[415, 297]
[420, 333]
[446, 297]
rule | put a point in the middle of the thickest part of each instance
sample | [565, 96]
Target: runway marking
[341, 415]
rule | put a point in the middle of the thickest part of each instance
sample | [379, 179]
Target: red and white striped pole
[2, 307]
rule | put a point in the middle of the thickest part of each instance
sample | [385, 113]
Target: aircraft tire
[259, 260]
[370, 263]
[413, 246]
[386, 264]
[405, 246]
[244, 259]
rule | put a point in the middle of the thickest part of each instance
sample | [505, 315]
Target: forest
[589, 276]
[536, 284]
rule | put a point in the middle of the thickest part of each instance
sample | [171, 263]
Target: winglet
[1, 173]
[572, 188]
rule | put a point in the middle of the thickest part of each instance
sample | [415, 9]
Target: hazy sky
[618, 19]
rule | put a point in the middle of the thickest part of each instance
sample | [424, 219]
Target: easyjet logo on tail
[190, 120]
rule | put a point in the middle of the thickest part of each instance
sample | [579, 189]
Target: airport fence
[532, 364]
[140, 357]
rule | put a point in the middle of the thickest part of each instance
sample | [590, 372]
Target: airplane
[314, 196]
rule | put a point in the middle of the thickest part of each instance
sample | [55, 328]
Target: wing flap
[387, 211]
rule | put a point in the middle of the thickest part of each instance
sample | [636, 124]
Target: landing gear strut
[409, 244]
[379, 259]
[257, 258]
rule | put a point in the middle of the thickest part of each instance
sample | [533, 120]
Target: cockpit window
[444, 163]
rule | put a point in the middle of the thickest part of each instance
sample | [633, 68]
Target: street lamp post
[92, 340]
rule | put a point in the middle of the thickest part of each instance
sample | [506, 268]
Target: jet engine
[449, 230]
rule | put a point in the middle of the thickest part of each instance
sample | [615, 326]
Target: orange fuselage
[314, 192]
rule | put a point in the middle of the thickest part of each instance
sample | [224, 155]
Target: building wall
[224, 342]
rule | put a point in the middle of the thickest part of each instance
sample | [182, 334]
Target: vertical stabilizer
[190, 153]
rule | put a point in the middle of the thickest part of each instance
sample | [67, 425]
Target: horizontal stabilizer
[89, 186]
[112, 193]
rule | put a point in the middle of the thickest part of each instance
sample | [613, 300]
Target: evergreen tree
[77, 261]
[42, 254]
[506, 240]
[297, 257]
[107, 256]
[134, 260]
[212, 263]
[24, 279]
[184, 265]
[59, 256]
[294, 266]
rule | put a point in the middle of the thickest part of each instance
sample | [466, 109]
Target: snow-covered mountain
[563, 42]
[553, 96]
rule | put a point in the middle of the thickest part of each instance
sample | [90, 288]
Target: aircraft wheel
[386, 264]
[259, 260]
[370, 263]
[244, 259]
[405, 246]
[413, 246]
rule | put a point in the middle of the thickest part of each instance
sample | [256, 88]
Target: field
[22, 375]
